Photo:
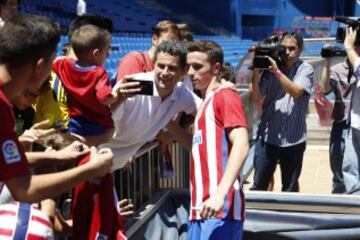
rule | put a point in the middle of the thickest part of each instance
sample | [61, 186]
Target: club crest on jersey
[100, 236]
[197, 138]
[10, 152]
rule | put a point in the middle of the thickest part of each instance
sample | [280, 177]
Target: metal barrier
[143, 178]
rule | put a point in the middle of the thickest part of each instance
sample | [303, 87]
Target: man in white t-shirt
[138, 118]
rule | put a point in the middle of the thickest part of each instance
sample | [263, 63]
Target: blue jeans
[265, 160]
[351, 160]
[214, 229]
[339, 132]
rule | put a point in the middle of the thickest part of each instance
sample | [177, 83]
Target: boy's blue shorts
[215, 229]
[83, 127]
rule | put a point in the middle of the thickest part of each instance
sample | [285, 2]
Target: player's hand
[126, 208]
[101, 161]
[212, 206]
[75, 150]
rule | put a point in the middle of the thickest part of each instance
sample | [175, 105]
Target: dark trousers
[265, 160]
[339, 132]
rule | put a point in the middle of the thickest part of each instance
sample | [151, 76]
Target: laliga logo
[10, 152]
[9, 148]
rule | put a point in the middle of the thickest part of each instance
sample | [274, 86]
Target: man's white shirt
[138, 119]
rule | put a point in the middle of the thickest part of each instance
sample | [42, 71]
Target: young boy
[27, 49]
[86, 81]
[219, 149]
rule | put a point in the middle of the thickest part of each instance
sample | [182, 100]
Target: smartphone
[147, 87]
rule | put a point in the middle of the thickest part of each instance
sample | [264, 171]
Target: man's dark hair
[227, 72]
[26, 38]
[211, 49]
[173, 48]
[88, 19]
[297, 36]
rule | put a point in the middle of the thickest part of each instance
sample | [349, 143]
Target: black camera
[269, 47]
[341, 32]
[330, 51]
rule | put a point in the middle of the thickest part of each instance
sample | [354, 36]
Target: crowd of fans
[67, 126]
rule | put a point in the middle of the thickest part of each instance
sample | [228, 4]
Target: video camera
[271, 47]
[341, 32]
[331, 51]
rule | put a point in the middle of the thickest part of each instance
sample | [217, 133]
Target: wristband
[278, 73]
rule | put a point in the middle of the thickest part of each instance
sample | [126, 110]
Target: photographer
[340, 80]
[286, 88]
[352, 142]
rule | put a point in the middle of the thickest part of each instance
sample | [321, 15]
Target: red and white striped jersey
[220, 112]
[25, 222]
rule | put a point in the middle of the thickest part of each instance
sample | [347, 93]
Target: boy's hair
[211, 49]
[166, 26]
[87, 38]
[173, 48]
[88, 19]
[26, 38]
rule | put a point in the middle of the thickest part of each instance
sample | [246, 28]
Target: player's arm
[34, 188]
[180, 134]
[239, 151]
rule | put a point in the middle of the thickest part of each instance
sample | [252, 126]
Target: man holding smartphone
[282, 130]
[138, 117]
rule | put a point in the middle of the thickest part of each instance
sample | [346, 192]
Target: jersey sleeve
[129, 65]
[103, 87]
[230, 110]
[13, 162]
